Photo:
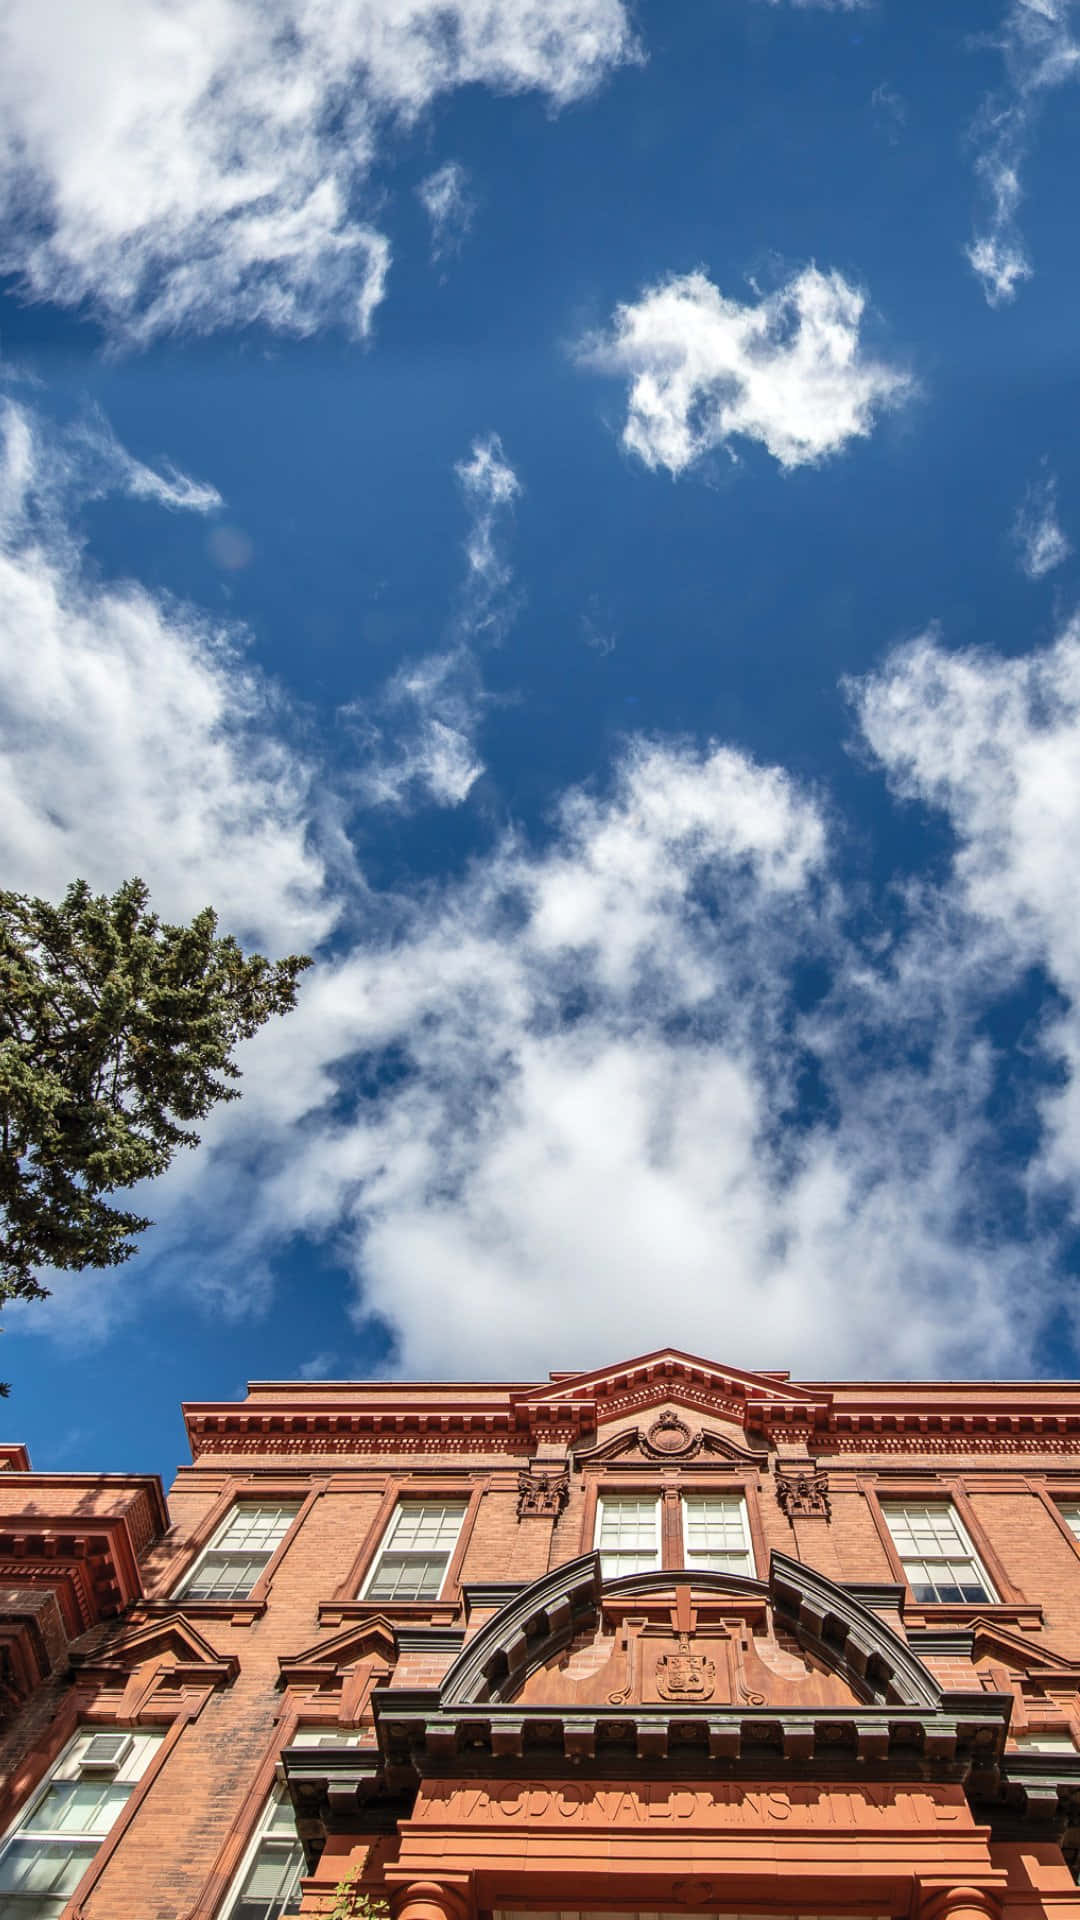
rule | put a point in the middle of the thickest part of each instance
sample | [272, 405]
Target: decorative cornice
[879, 1596]
[416, 1737]
[478, 1594]
[430, 1639]
[945, 1643]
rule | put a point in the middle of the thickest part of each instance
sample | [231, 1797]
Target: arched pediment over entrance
[689, 1638]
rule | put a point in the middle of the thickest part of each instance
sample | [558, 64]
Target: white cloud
[995, 744]
[214, 173]
[596, 1061]
[1039, 51]
[449, 206]
[786, 370]
[827, 6]
[134, 736]
[491, 487]
[1037, 531]
[419, 736]
[586, 1079]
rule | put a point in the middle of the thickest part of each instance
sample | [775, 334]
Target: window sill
[427, 1613]
[920, 1614]
[239, 1613]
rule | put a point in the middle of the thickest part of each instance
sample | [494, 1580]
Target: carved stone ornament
[669, 1438]
[685, 1675]
[803, 1495]
[542, 1496]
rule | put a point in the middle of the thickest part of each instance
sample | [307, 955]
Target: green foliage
[116, 1032]
[350, 1903]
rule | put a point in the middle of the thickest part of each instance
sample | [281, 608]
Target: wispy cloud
[787, 370]
[449, 206]
[890, 112]
[214, 173]
[419, 736]
[491, 487]
[1039, 52]
[1037, 532]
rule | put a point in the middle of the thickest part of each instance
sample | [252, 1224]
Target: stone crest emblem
[685, 1675]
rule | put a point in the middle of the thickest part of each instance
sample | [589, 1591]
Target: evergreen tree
[117, 1031]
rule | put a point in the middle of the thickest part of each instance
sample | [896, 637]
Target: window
[1070, 1513]
[1046, 1743]
[268, 1884]
[940, 1563]
[416, 1552]
[57, 1835]
[716, 1534]
[628, 1534]
[240, 1551]
[325, 1737]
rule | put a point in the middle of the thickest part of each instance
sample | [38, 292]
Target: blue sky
[568, 513]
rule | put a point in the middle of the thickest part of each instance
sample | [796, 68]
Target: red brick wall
[199, 1809]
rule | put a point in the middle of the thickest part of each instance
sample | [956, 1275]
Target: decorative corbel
[542, 1495]
[803, 1495]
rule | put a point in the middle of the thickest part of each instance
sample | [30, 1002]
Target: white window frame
[604, 1505]
[1045, 1742]
[276, 1798]
[386, 1548]
[1070, 1513]
[216, 1548]
[145, 1745]
[730, 1500]
[964, 1541]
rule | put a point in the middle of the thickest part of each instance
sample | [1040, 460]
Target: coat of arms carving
[685, 1675]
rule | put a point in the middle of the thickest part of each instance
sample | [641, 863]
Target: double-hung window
[57, 1835]
[268, 1884]
[940, 1564]
[240, 1551]
[413, 1561]
[628, 1534]
[715, 1534]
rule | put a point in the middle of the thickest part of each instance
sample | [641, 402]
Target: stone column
[957, 1903]
[427, 1900]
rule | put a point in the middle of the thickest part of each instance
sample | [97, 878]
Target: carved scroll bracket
[803, 1495]
[542, 1496]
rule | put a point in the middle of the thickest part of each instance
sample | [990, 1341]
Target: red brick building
[661, 1639]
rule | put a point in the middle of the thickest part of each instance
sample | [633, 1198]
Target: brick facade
[809, 1736]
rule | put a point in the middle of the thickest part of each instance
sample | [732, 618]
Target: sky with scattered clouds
[566, 511]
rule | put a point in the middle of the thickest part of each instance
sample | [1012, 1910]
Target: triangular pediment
[328, 1659]
[670, 1375]
[995, 1643]
[173, 1642]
